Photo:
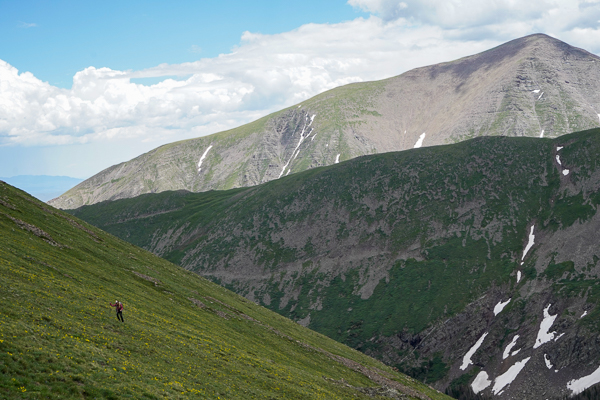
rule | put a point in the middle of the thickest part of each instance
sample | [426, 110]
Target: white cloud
[265, 73]
[27, 25]
[465, 14]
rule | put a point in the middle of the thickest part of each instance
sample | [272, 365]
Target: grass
[183, 336]
[446, 223]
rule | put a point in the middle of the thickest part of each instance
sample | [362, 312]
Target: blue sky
[85, 85]
[55, 39]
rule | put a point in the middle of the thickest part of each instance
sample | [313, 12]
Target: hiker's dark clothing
[119, 308]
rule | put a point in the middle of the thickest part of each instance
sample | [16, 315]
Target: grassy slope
[393, 200]
[60, 339]
[336, 109]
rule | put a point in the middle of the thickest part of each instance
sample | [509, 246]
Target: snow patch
[202, 158]
[558, 159]
[542, 134]
[420, 141]
[579, 385]
[500, 306]
[565, 172]
[467, 358]
[337, 159]
[559, 148]
[599, 116]
[481, 382]
[584, 314]
[518, 276]
[543, 335]
[529, 244]
[509, 376]
[536, 91]
[548, 363]
[510, 347]
[296, 149]
[541, 95]
[298, 152]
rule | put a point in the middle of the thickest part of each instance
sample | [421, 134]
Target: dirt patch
[197, 302]
[8, 205]
[371, 391]
[148, 278]
[36, 231]
[222, 314]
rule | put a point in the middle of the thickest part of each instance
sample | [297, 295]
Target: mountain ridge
[532, 86]
[412, 256]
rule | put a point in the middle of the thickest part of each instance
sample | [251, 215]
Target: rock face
[534, 86]
[472, 266]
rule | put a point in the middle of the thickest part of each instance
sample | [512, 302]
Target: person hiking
[119, 307]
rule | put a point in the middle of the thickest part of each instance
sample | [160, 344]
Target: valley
[472, 266]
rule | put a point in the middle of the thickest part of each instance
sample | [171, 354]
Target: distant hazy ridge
[43, 187]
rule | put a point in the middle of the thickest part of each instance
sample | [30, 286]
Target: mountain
[533, 86]
[472, 266]
[43, 187]
[182, 336]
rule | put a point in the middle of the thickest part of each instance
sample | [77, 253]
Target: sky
[86, 84]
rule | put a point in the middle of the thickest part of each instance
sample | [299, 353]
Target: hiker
[119, 307]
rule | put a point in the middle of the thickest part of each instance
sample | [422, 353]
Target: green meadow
[183, 336]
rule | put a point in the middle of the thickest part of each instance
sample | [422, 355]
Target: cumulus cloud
[475, 13]
[265, 73]
[571, 20]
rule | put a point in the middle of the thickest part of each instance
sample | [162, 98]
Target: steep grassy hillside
[183, 337]
[407, 256]
[533, 86]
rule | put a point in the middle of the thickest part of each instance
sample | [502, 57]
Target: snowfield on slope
[529, 244]
[500, 306]
[509, 376]
[544, 336]
[467, 358]
[509, 347]
[203, 156]
[481, 382]
[579, 385]
[420, 141]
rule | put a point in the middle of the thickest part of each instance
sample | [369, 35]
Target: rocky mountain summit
[471, 266]
[535, 86]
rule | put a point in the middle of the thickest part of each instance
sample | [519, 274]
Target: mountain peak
[538, 45]
[542, 39]
[535, 86]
